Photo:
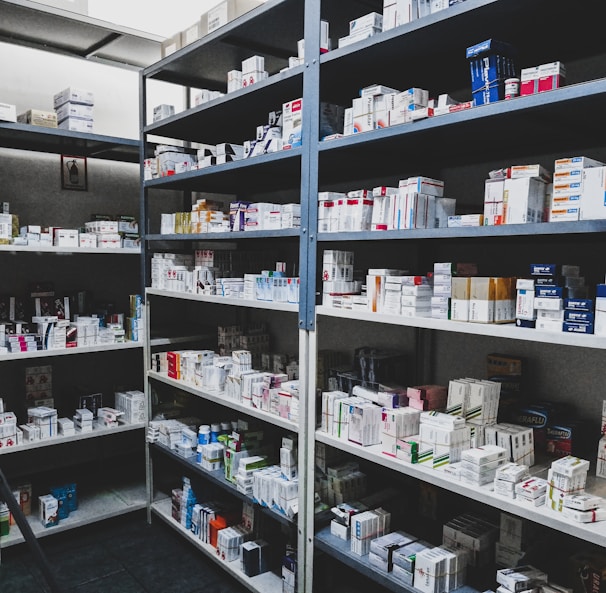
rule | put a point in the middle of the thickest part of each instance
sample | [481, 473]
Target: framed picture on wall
[73, 173]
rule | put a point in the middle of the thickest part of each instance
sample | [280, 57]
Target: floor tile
[118, 556]
[120, 582]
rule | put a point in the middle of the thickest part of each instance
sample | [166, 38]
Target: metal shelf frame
[562, 120]
[36, 25]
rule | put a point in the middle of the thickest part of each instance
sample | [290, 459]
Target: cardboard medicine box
[73, 95]
[491, 62]
[38, 117]
[49, 510]
[8, 112]
[171, 45]
[227, 11]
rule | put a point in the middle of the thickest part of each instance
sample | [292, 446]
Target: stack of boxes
[446, 288]
[398, 423]
[474, 534]
[578, 189]
[566, 476]
[404, 558]
[209, 21]
[367, 526]
[584, 508]
[345, 482]
[474, 400]
[508, 476]
[379, 107]
[382, 548]
[253, 70]
[532, 490]
[554, 299]
[66, 427]
[417, 207]
[518, 441]
[74, 109]
[427, 397]
[337, 276]
[10, 435]
[440, 569]
[363, 27]
[83, 420]
[384, 290]
[442, 438]
[383, 200]
[479, 465]
[515, 536]
[516, 195]
[492, 300]
[44, 420]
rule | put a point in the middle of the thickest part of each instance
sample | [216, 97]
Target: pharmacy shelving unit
[115, 496]
[272, 30]
[460, 148]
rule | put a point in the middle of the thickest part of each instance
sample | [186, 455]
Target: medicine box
[524, 200]
[49, 510]
[491, 62]
[38, 117]
[171, 45]
[227, 11]
[163, 111]
[73, 95]
[593, 202]
[70, 109]
[75, 124]
[195, 31]
[8, 112]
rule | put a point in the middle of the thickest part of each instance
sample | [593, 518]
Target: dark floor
[124, 555]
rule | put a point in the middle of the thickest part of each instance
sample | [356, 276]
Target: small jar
[215, 431]
[512, 88]
[204, 434]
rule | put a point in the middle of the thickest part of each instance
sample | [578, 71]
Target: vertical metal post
[307, 264]
[309, 164]
[143, 210]
[149, 482]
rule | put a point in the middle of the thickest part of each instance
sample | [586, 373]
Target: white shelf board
[98, 506]
[273, 306]
[69, 250]
[590, 532]
[79, 436]
[220, 398]
[493, 330]
[75, 350]
[267, 582]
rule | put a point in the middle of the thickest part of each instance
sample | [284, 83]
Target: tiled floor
[125, 555]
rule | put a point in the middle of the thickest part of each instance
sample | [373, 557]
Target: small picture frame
[74, 174]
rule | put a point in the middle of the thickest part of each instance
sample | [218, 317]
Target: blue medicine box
[491, 63]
